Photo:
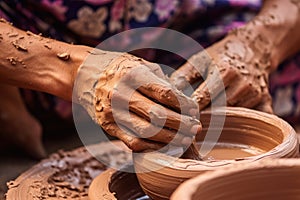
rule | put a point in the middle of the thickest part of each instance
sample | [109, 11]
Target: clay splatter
[19, 46]
[47, 46]
[12, 60]
[63, 56]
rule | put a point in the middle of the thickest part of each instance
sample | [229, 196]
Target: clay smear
[64, 175]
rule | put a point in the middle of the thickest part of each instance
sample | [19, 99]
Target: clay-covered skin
[131, 99]
[157, 109]
[245, 58]
[32, 61]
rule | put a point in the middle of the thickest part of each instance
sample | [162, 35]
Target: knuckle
[146, 132]
[230, 71]
[134, 144]
[108, 127]
[105, 116]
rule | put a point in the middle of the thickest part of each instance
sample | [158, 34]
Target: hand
[242, 60]
[131, 99]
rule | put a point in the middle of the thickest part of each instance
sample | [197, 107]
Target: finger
[266, 103]
[159, 89]
[242, 93]
[156, 113]
[250, 100]
[134, 143]
[216, 82]
[144, 129]
[191, 71]
[265, 107]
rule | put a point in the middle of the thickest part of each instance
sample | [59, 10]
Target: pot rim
[289, 147]
[189, 187]
[98, 187]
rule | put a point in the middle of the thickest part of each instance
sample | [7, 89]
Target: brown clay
[35, 62]
[254, 135]
[266, 179]
[122, 83]
[113, 184]
[64, 175]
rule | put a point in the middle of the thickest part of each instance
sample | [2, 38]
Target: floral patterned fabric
[91, 21]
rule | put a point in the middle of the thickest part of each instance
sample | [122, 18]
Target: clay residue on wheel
[64, 175]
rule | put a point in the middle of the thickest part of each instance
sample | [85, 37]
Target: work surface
[13, 162]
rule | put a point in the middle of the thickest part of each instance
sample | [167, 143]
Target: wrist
[90, 71]
[78, 55]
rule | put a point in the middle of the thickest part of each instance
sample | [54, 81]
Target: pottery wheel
[65, 175]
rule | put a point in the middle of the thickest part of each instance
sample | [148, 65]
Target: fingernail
[186, 141]
[196, 129]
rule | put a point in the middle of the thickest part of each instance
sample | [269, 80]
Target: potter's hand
[246, 56]
[233, 64]
[104, 82]
[131, 99]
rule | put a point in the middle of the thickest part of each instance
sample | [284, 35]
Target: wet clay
[64, 175]
[247, 136]
[229, 151]
[265, 179]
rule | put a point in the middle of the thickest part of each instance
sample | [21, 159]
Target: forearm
[34, 62]
[278, 27]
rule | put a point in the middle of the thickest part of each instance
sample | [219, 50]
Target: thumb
[194, 69]
[266, 103]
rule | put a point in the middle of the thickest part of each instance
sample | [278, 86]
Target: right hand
[131, 99]
[235, 65]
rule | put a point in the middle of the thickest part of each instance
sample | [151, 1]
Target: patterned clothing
[91, 21]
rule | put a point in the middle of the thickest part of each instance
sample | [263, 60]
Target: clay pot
[266, 179]
[113, 184]
[263, 135]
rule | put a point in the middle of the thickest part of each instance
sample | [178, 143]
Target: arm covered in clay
[245, 58]
[127, 96]
[31, 61]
